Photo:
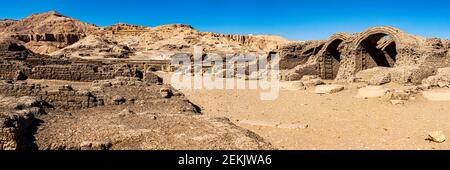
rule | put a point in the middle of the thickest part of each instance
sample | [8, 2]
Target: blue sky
[293, 19]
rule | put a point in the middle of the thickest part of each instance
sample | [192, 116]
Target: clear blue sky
[294, 19]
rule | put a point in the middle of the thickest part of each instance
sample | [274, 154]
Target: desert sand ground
[335, 121]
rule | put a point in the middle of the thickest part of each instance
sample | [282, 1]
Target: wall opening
[378, 50]
[332, 60]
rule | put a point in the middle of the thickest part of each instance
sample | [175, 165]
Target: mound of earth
[115, 129]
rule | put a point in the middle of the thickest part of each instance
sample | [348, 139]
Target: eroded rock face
[6, 23]
[47, 32]
[94, 47]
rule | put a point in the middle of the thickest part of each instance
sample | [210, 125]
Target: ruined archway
[377, 47]
[373, 51]
[330, 56]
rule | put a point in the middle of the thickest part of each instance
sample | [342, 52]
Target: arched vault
[329, 56]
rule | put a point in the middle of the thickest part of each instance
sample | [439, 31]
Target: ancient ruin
[410, 58]
[70, 85]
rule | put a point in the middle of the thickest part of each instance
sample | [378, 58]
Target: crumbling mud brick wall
[14, 70]
[294, 54]
[16, 61]
[298, 59]
[85, 72]
[364, 51]
[13, 130]
[63, 98]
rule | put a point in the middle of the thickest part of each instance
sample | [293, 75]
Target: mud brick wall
[291, 56]
[71, 99]
[19, 89]
[63, 98]
[10, 69]
[37, 60]
[13, 129]
[84, 72]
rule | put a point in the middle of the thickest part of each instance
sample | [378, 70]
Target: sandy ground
[335, 121]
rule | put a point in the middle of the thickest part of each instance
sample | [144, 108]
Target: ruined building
[408, 58]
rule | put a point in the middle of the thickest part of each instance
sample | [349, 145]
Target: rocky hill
[49, 23]
[50, 32]
[46, 32]
[6, 23]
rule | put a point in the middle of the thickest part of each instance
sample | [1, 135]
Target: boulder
[437, 95]
[313, 82]
[441, 79]
[291, 76]
[399, 95]
[165, 92]
[372, 92]
[294, 85]
[373, 76]
[397, 102]
[380, 79]
[118, 100]
[436, 136]
[410, 74]
[328, 89]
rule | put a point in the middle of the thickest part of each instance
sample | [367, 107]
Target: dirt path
[336, 121]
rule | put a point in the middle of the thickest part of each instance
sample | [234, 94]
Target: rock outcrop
[94, 47]
[47, 32]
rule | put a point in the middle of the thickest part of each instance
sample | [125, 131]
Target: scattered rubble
[311, 80]
[436, 136]
[372, 92]
[397, 102]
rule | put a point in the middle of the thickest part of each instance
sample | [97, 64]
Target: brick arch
[330, 56]
[397, 35]
[366, 47]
